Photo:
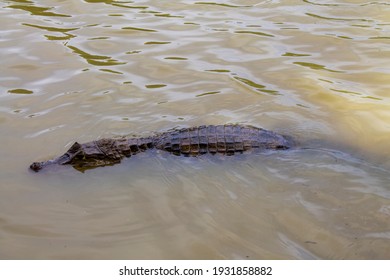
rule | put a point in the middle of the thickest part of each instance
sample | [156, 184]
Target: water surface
[83, 70]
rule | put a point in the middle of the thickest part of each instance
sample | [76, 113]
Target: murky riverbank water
[82, 70]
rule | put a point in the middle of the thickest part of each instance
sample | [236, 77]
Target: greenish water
[83, 70]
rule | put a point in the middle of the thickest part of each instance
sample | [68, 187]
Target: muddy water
[82, 70]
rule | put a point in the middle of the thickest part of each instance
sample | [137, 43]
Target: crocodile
[226, 139]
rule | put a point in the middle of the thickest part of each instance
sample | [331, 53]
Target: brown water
[81, 70]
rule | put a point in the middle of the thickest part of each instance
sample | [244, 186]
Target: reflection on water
[36, 10]
[82, 70]
[97, 60]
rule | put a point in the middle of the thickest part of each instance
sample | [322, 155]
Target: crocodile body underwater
[223, 139]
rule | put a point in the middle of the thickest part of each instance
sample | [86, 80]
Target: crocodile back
[226, 139]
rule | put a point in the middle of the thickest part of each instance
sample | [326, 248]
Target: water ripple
[83, 70]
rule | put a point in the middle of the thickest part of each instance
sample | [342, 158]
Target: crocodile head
[64, 159]
[80, 156]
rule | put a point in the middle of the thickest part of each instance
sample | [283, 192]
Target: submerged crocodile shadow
[224, 139]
